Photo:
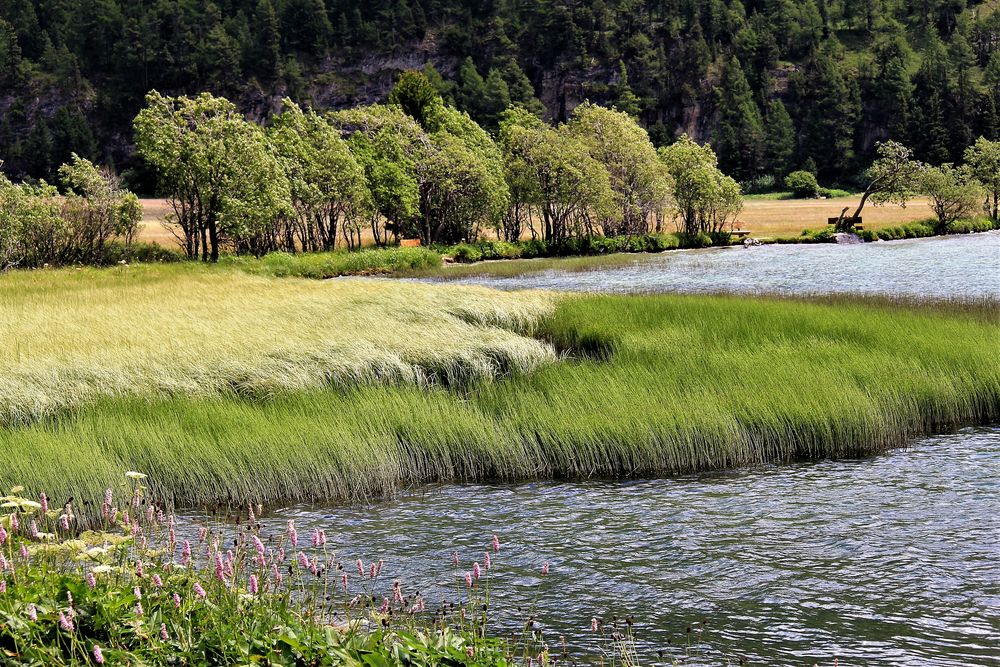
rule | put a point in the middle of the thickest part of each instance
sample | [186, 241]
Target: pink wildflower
[220, 570]
[397, 592]
[496, 544]
[15, 523]
[33, 530]
[43, 501]
[361, 568]
[138, 569]
[138, 609]
[454, 559]
[32, 612]
[163, 632]
[545, 568]
[137, 592]
[378, 569]
[343, 580]
[199, 591]
[157, 581]
[253, 584]
[149, 514]
[468, 579]
[293, 535]
[186, 553]
[385, 606]
[303, 560]
[107, 496]
[65, 623]
[24, 551]
[91, 580]
[64, 522]
[322, 537]
[258, 545]
[98, 656]
[3, 585]
[315, 537]
[371, 570]
[476, 571]
[3, 534]
[177, 601]
[487, 561]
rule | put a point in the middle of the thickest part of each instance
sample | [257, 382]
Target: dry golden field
[765, 218]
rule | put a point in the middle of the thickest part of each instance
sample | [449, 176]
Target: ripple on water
[944, 267]
[893, 560]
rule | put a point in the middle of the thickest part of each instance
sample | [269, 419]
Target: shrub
[802, 184]
[466, 253]
[760, 185]
[969, 226]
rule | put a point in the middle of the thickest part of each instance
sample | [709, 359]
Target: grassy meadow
[152, 331]
[225, 387]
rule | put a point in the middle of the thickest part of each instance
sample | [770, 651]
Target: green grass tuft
[648, 386]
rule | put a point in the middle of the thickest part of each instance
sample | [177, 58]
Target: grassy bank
[648, 385]
[74, 336]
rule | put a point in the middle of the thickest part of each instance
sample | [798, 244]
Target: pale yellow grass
[72, 336]
[765, 218]
[788, 217]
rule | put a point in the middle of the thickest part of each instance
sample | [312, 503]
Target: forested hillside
[773, 84]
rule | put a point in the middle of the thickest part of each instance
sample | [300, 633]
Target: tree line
[774, 85]
[416, 167]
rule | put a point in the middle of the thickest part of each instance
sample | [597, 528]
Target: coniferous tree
[827, 111]
[739, 139]
[779, 148]
[267, 41]
[626, 100]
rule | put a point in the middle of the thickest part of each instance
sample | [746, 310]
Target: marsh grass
[647, 386]
[370, 261]
[72, 337]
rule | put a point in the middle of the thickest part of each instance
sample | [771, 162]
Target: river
[892, 560]
[965, 266]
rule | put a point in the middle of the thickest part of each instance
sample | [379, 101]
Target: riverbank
[226, 387]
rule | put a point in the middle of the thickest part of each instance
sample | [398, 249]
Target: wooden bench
[740, 233]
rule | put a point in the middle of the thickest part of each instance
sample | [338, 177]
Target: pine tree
[496, 100]
[739, 138]
[471, 89]
[625, 99]
[827, 111]
[267, 41]
[779, 145]
[892, 88]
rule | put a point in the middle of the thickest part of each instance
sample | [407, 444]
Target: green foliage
[218, 168]
[739, 138]
[953, 193]
[640, 183]
[706, 200]
[321, 265]
[416, 96]
[38, 227]
[983, 160]
[802, 184]
[328, 188]
[104, 587]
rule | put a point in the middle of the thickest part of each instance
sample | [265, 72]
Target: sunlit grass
[649, 386]
[73, 336]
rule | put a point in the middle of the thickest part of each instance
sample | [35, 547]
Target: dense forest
[774, 85]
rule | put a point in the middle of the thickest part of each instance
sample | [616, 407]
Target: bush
[466, 253]
[760, 185]
[969, 226]
[802, 184]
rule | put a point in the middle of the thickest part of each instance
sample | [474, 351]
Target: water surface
[944, 266]
[893, 560]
